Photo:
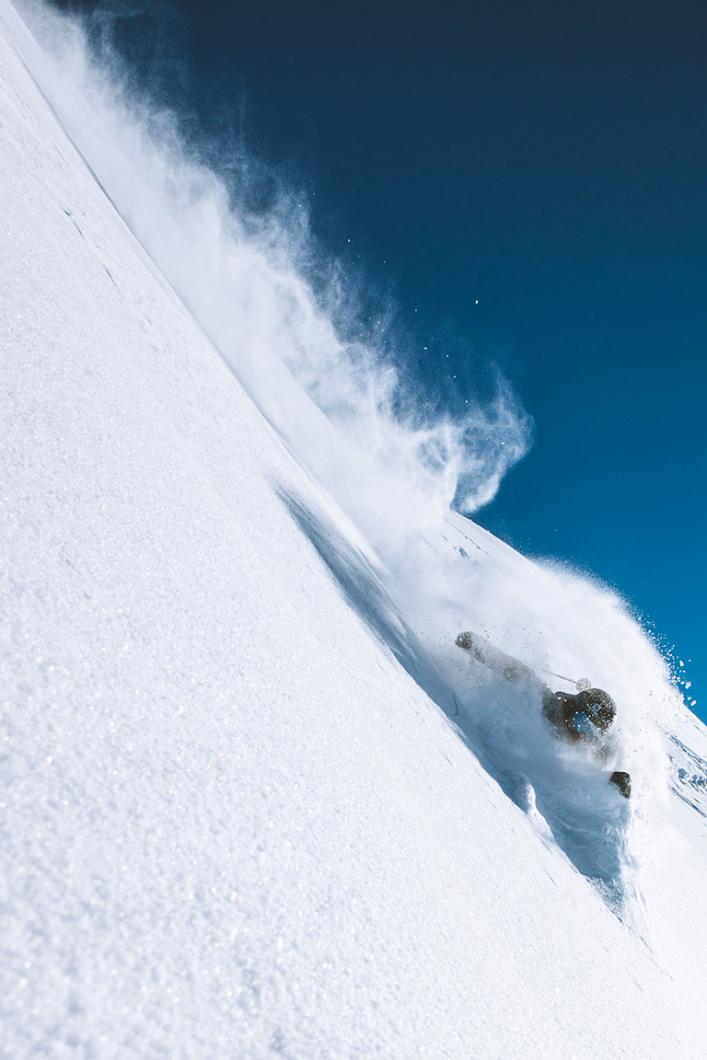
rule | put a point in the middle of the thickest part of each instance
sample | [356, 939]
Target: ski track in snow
[254, 801]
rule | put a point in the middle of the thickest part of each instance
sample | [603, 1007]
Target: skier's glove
[622, 781]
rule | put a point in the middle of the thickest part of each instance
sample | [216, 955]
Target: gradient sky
[532, 193]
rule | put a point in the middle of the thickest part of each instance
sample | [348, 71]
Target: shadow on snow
[590, 827]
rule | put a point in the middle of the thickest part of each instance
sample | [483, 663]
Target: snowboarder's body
[585, 716]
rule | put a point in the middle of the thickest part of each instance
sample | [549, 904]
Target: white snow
[254, 801]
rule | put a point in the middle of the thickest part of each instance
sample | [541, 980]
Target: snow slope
[254, 801]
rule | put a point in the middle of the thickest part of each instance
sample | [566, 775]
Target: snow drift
[255, 799]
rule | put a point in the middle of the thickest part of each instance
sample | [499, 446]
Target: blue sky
[531, 193]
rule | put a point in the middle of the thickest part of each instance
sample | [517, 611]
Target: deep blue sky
[555, 170]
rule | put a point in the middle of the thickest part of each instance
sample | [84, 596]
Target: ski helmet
[598, 705]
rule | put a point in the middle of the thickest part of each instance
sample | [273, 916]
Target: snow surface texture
[255, 802]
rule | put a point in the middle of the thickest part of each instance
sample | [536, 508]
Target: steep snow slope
[233, 822]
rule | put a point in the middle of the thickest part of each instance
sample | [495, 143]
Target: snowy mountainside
[250, 805]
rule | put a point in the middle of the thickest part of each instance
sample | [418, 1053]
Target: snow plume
[334, 391]
[565, 626]
[336, 395]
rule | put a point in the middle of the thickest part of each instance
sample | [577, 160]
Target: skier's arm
[496, 660]
[604, 751]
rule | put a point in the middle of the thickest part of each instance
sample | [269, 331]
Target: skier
[585, 716]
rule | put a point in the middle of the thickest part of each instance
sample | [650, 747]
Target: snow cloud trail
[342, 405]
[553, 619]
[341, 401]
